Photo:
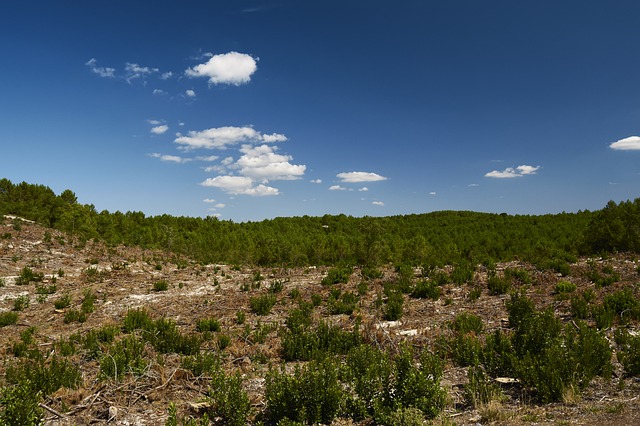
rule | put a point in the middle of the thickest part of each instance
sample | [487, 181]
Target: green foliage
[261, 305]
[343, 304]
[73, 315]
[88, 301]
[125, 356]
[462, 273]
[563, 287]
[201, 364]
[623, 304]
[393, 307]
[480, 390]
[21, 303]
[339, 274]
[426, 289]
[27, 276]
[46, 289]
[519, 307]
[8, 318]
[137, 319]
[465, 323]
[518, 274]
[497, 284]
[162, 285]
[302, 342]
[312, 394]
[628, 352]
[44, 375]
[167, 338]
[20, 405]
[63, 302]
[229, 401]
[208, 324]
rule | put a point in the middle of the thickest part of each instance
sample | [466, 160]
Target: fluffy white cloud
[363, 189]
[170, 158]
[316, 181]
[166, 75]
[357, 177]
[223, 137]
[101, 71]
[263, 164]
[159, 92]
[209, 200]
[239, 185]
[220, 206]
[158, 130]
[227, 68]
[154, 122]
[433, 193]
[190, 93]
[378, 203]
[511, 172]
[632, 143]
[208, 158]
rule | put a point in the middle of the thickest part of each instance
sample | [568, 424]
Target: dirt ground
[122, 278]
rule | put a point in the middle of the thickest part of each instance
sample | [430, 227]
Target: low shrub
[563, 287]
[63, 302]
[21, 303]
[208, 324]
[123, 357]
[229, 402]
[628, 352]
[8, 318]
[426, 289]
[73, 315]
[498, 285]
[162, 285]
[337, 275]
[261, 305]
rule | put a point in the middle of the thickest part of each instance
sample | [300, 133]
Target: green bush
[312, 394]
[628, 352]
[21, 303]
[27, 275]
[167, 338]
[137, 319]
[123, 357]
[519, 307]
[480, 390]
[261, 305]
[20, 405]
[63, 302]
[563, 287]
[393, 309]
[337, 275]
[44, 289]
[344, 304]
[162, 285]
[498, 285]
[623, 304]
[45, 375]
[8, 318]
[518, 274]
[208, 324]
[465, 323]
[229, 401]
[88, 301]
[202, 363]
[74, 315]
[426, 289]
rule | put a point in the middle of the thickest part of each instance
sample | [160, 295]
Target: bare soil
[124, 280]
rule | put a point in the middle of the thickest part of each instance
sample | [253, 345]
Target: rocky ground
[123, 278]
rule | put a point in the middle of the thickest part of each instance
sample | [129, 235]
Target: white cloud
[220, 206]
[223, 137]
[159, 130]
[433, 193]
[356, 177]
[473, 185]
[209, 200]
[274, 137]
[154, 122]
[227, 161]
[239, 185]
[159, 92]
[316, 181]
[511, 172]
[170, 158]
[378, 203]
[338, 188]
[263, 164]
[632, 143]
[180, 123]
[166, 75]
[363, 189]
[227, 68]
[135, 71]
[208, 158]
[190, 93]
[101, 71]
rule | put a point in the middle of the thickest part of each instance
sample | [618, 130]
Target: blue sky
[249, 110]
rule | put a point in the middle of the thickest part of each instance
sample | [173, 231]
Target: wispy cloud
[101, 71]
[338, 188]
[316, 181]
[358, 177]
[190, 93]
[170, 158]
[227, 68]
[632, 143]
[378, 203]
[223, 137]
[135, 71]
[511, 172]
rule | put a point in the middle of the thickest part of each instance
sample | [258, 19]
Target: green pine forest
[429, 239]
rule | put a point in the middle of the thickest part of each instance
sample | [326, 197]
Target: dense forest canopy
[430, 239]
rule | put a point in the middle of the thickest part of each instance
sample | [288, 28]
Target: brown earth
[123, 278]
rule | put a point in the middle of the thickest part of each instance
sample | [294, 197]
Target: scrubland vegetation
[447, 317]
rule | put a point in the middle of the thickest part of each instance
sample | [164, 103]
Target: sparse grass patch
[261, 305]
[8, 318]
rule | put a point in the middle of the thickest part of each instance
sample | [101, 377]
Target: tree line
[429, 239]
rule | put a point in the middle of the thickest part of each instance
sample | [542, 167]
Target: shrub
[518, 274]
[88, 301]
[167, 338]
[337, 275]
[623, 304]
[124, 356]
[563, 287]
[262, 305]
[8, 318]
[202, 363]
[519, 307]
[63, 302]
[208, 324]
[312, 394]
[394, 306]
[21, 303]
[465, 323]
[73, 315]
[136, 319]
[45, 375]
[498, 285]
[223, 341]
[370, 272]
[628, 352]
[229, 401]
[426, 289]
[480, 390]
[276, 286]
[344, 304]
[21, 405]
[44, 289]
[162, 285]
[27, 275]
